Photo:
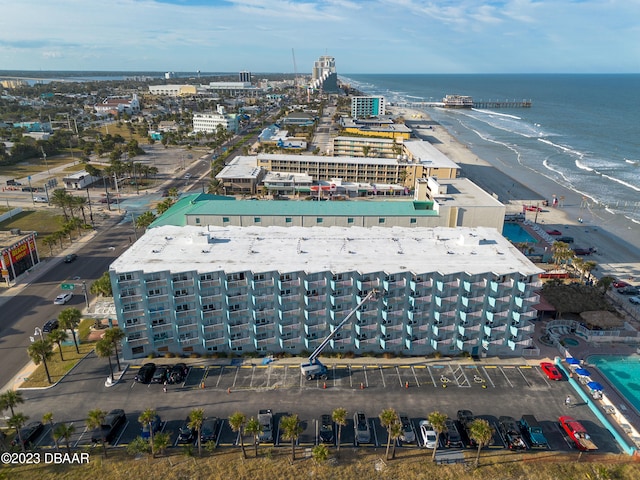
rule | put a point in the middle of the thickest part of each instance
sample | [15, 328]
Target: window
[225, 219]
[350, 220]
[319, 220]
[132, 321]
[381, 220]
[256, 220]
[412, 220]
[125, 276]
[287, 220]
[206, 276]
[197, 220]
[155, 291]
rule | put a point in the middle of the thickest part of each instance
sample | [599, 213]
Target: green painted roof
[204, 204]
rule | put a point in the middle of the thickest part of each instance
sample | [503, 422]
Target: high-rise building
[323, 75]
[244, 76]
[363, 107]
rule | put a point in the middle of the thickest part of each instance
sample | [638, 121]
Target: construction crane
[295, 70]
[314, 368]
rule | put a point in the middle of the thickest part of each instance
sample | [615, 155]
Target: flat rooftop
[336, 249]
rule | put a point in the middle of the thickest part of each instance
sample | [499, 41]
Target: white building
[283, 289]
[116, 105]
[363, 107]
[208, 122]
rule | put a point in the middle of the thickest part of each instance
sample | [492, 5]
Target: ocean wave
[621, 182]
[562, 147]
[582, 166]
[496, 113]
[632, 162]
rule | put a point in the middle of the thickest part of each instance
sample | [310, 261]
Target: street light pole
[38, 331]
[90, 210]
[84, 290]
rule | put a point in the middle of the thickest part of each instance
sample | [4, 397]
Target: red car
[577, 433]
[531, 208]
[554, 232]
[551, 371]
[620, 284]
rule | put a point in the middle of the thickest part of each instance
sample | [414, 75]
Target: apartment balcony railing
[236, 283]
[493, 329]
[313, 299]
[389, 343]
[243, 314]
[337, 299]
[165, 327]
[366, 343]
[128, 283]
[420, 283]
[442, 329]
[288, 283]
[138, 342]
[182, 284]
[266, 312]
[360, 329]
[183, 314]
[156, 283]
[392, 316]
[210, 283]
[319, 284]
[216, 298]
[315, 316]
[213, 329]
[265, 342]
[367, 284]
[239, 342]
[391, 284]
[468, 329]
[215, 341]
[262, 283]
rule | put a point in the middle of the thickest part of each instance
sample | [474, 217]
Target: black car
[451, 435]
[109, 427]
[178, 373]
[50, 326]
[28, 434]
[511, 433]
[187, 434]
[160, 375]
[145, 373]
[629, 290]
[209, 430]
[70, 258]
[326, 429]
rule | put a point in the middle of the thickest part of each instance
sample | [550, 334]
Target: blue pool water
[516, 234]
[622, 372]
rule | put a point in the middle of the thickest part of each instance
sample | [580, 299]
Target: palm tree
[161, 442]
[145, 219]
[196, 419]
[17, 421]
[48, 418]
[339, 415]
[237, 421]
[64, 430]
[439, 423]
[146, 418]
[395, 432]
[114, 335]
[40, 351]
[605, 283]
[387, 418]
[69, 319]
[320, 453]
[10, 399]
[481, 432]
[291, 430]
[58, 336]
[104, 349]
[60, 198]
[561, 252]
[95, 419]
[254, 428]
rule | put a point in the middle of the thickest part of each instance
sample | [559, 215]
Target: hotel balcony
[182, 284]
[314, 316]
[289, 343]
[209, 316]
[365, 343]
[367, 285]
[366, 329]
[192, 313]
[394, 298]
[464, 343]
[188, 341]
[393, 284]
[243, 314]
[393, 330]
[186, 325]
[264, 312]
[422, 300]
[282, 284]
[163, 328]
[418, 329]
[490, 341]
[318, 284]
[209, 330]
[494, 328]
[236, 283]
[445, 317]
[391, 343]
[338, 299]
[337, 284]
[367, 315]
[439, 330]
[256, 284]
[438, 342]
[215, 298]
[294, 315]
[239, 342]
[410, 343]
[338, 315]
[315, 299]
[470, 316]
[520, 329]
[138, 342]
[337, 343]
[515, 343]
[128, 283]
[138, 327]
[265, 342]
[290, 330]
[237, 297]
[156, 283]
[316, 330]
[215, 282]
[393, 316]
[419, 282]
[215, 342]
[468, 329]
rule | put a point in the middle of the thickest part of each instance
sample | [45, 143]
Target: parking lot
[488, 390]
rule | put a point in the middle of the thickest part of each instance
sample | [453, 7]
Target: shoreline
[616, 238]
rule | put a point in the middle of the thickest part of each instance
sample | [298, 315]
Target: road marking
[384, 383]
[507, 378]
[489, 376]
[415, 376]
[525, 378]
[399, 376]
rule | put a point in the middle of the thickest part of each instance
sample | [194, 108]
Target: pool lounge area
[623, 372]
[515, 233]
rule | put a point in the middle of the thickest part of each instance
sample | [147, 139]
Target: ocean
[581, 131]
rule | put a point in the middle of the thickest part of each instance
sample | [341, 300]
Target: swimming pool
[516, 234]
[623, 372]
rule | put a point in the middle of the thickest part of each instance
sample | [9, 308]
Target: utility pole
[90, 209]
[115, 179]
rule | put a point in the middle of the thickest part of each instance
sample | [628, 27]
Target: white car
[635, 300]
[428, 434]
[63, 298]
[187, 176]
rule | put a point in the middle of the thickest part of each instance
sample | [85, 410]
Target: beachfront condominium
[323, 74]
[203, 290]
[363, 107]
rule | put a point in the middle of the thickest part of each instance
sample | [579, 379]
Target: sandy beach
[616, 239]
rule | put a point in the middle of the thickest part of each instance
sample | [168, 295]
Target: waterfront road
[29, 304]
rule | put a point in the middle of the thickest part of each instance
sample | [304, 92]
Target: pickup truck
[109, 427]
[577, 433]
[265, 418]
[511, 433]
[533, 432]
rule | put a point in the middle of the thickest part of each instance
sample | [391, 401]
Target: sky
[287, 36]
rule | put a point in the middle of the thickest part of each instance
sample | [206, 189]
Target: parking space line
[415, 376]
[489, 376]
[525, 378]
[433, 380]
[366, 380]
[384, 383]
[543, 376]
[235, 377]
[505, 376]
[399, 376]
[219, 375]
[253, 372]
[375, 435]
[350, 376]
[269, 376]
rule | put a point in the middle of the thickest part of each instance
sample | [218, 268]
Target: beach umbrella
[583, 372]
[572, 361]
[595, 386]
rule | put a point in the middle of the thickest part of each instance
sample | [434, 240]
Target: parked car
[620, 284]
[532, 208]
[635, 300]
[577, 433]
[13, 183]
[178, 373]
[451, 435]
[187, 434]
[532, 430]
[209, 430]
[361, 427]
[109, 427]
[565, 239]
[629, 290]
[465, 419]
[63, 298]
[554, 232]
[551, 371]
[40, 199]
[70, 258]
[583, 251]
[511, 433]
[428, 434]
[50, 326]
[145, 373]
[265, 418]
[326, 429]
[160, 375]
[155, 426]
[187, 176]
[28, 434]
[408, 435]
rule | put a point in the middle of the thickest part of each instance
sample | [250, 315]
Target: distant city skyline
[364, 36]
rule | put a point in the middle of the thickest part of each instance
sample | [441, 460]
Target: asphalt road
[33, 305]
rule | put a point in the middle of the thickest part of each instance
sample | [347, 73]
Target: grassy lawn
[58, 368]
[353, 464]
[37, 165]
